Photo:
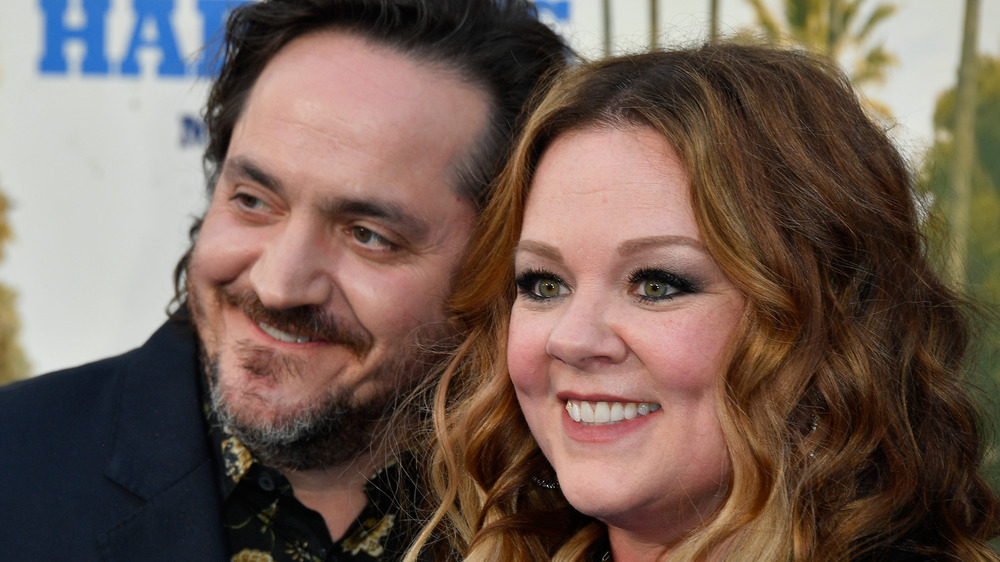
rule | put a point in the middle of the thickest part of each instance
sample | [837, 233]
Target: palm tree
[964, 150]
[606, 20]
[13, 364]
[713, 20]
[977, 203]
[961, 179]
[838, 29]
[654, 24]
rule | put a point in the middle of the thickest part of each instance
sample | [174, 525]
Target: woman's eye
[368, 237]
[657, 285]
[547, 288]
[655, 289]
[541, 286]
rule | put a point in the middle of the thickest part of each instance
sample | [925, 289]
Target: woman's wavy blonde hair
[849, 424]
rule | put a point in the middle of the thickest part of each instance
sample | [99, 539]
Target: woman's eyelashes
[651, 285]
[648, 284]
[540, 285]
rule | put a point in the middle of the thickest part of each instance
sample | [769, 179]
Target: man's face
[326, 253]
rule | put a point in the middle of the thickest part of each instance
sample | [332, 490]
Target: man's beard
[335, 428]
[331, 430]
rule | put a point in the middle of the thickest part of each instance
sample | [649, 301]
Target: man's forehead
[367, 68]
[391, 111]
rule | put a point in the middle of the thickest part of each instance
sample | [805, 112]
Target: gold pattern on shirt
[369, 537]
[266, 517]
[299, 551]
[247, 555]
[237, 457]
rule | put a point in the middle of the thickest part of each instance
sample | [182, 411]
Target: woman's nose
[583, 336]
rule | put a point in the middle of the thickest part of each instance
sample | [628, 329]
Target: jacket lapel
[161, 455]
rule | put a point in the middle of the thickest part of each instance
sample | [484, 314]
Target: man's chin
[322, 433]
[256, 394]
[259, 412]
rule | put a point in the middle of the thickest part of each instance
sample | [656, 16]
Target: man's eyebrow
[245, 167]
[406, 222]
[240, 167]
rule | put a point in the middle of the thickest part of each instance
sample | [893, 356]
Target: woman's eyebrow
[637, 245]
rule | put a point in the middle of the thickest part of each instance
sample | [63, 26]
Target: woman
[725, 339]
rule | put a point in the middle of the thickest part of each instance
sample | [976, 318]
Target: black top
[264, 520]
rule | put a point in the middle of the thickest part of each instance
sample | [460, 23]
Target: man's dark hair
[499, 46]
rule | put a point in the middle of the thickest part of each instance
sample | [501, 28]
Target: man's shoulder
[59, 388]
[85, 386]
[110, 460]
[63, 404]
[82, 404]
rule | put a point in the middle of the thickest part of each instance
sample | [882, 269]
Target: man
[351, 143]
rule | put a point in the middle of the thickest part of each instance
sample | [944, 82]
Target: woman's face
[618, 334]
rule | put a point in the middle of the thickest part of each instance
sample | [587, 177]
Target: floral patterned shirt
[265, 522]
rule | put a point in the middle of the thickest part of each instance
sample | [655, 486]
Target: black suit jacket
[110, 461]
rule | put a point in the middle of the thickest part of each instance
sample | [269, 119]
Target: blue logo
[154, 30]
[559, 11]
[155, 14]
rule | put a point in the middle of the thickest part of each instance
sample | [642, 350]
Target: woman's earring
[813, 424]
[545, 483]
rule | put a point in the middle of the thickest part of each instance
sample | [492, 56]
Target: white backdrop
[103, 168]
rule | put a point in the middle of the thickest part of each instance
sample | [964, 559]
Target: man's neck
[336, 493]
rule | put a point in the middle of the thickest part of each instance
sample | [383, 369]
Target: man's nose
[293, 269]
[584, 335]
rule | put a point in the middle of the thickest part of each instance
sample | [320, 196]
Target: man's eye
[250, 202]
[367, 237]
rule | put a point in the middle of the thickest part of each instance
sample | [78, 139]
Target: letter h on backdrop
[92, 34]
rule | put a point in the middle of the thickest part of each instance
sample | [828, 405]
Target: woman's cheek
[526, 356]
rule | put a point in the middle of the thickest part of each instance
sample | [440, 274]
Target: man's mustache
[309, 321]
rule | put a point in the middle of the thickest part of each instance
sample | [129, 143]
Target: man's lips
[303, 324]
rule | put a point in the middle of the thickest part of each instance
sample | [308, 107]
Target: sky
[104, 177]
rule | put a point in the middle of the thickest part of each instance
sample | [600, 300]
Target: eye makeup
[652, 284]
[539, 285]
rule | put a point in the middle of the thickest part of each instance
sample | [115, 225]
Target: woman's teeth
[582, 411]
